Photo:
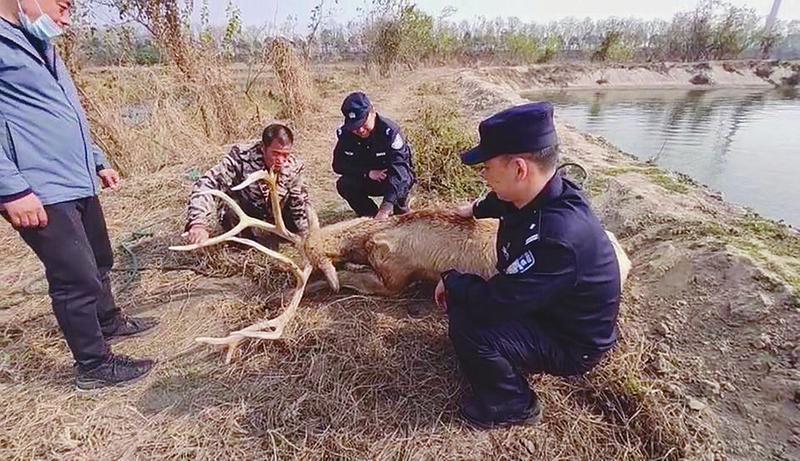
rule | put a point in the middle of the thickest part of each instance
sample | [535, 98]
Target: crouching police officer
[552, 308]
[373, 159]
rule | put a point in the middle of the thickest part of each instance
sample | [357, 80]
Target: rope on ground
[134, 269]
[127, 246]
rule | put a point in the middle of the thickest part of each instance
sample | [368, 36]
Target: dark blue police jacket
[385, 149]
[556, 267]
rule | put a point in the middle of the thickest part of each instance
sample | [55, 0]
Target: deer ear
[382, 245]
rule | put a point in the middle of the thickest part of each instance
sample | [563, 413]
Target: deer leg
[316, 286]
[367, 283]
[362, 281]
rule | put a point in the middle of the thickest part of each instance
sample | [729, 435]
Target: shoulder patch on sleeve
[388, 132]
[398, 142]
[339, 133]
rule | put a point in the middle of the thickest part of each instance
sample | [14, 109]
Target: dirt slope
[713, 288]
[739, 74]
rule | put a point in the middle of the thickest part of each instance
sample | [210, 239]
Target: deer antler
[276, 325]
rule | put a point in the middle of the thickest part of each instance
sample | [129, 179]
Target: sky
[260, 12]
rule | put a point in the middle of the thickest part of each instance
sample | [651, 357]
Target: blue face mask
[44, 28]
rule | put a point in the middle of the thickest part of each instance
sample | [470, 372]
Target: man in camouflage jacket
[203, 213]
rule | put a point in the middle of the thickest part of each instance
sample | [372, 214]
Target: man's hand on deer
[440, 295]
[197, 234]
[465, 211]
[384, 211]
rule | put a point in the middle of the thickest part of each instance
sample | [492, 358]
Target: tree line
[397, 32]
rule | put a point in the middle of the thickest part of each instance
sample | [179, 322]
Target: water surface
[743, 143]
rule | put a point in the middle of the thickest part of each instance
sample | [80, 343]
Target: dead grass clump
[700, 79]
[792, 80]
[214, 91]
[437, 136]
[148, 119]
[621, 393]
[764, 71]
[296, 85]
[166, 20]
[143, 123]
[196, 83]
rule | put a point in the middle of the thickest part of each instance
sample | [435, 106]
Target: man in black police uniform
[373, 159]
[552, 308]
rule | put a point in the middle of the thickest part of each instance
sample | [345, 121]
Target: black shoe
[116, 371]
[474, 414]
[130, 327]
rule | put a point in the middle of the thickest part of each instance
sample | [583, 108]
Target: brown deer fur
[402, 249]
[416, 246]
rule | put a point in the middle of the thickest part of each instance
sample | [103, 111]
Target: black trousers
[496, 357]
[77, 258]
[357, 191]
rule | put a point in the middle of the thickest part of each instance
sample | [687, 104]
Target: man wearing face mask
[374, 160]
[50, 177]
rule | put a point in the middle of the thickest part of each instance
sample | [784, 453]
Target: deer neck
[346, 240]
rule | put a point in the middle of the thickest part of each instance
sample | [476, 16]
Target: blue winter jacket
[45, 144]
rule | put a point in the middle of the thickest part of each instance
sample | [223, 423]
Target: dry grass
[438, 136]
[150, 119]
[356, 378]
[296, 85]
[153, 117]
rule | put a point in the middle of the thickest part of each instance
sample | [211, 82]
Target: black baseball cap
[356, 108]
[518, 130]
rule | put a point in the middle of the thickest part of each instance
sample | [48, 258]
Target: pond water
[743, 143]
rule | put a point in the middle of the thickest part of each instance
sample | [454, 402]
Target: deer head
[313, 247]
[272, 328]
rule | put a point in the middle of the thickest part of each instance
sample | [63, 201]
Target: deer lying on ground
[417, 246]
